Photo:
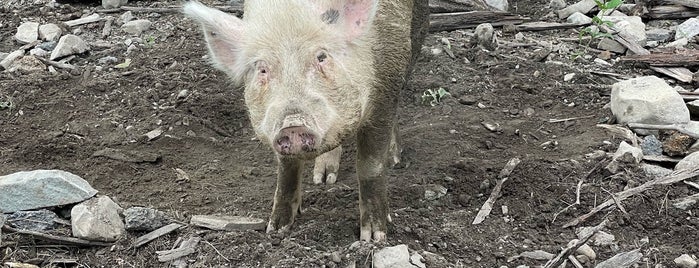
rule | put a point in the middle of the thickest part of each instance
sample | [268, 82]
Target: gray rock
[586, 250]
[136, 27]
[602, 238]
[434, 192]
[107, 60]
[685, 202]
[686, 261]
[48, 46]
[610, 45]
[144, 219]
[537, 255]
[27, 32]
[658, 34]
[649, 100]
[501, 5]
[34, 220]
[10, 58]
[557, 4]
[27, 65]
[579, 18]
[48, 187]
[392, 257]
[417, 260]
[679, 43]
[126, 17]
[582, 7]
[228, 223]
[68, 45]
[484, 36]
[625, 155]
[633, 26]
[621, 260]
[108, 4]
[3, 55]
[97, 219]
[50, 32]
[38, 52]
[688, 29]
[651, 145]
[688, 162]
[654, 171]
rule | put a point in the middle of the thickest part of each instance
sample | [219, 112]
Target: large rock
[609, 44]
[27, 32]
[658, 34]
[28, 190]
[633, 26]
[68, 45]
[34, 220]
[144, 219]
[392, 257]
[687, 29]
[649, 100]
[136, 27]
[97, 219]
[50, 32]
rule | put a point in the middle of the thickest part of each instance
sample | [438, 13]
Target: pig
[315, 73]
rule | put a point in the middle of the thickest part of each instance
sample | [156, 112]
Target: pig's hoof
[326, 166]
[369, 235]
[272, 229]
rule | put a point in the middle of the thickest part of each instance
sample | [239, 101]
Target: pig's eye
[322, 57]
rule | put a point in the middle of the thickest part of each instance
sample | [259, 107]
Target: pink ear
[223, 33]
[354, 16]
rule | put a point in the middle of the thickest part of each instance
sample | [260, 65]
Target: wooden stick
[89, 19]
[679, 58]
[561, 257]
[155, 234]
[672, 12]
[67, 241]
[695, 185]
[577, 201]
[465, 20]
[503, 176]
[677, 127]
[187, 247]
[543, 26]
[569, 119]
[675, 176]
[687, 3]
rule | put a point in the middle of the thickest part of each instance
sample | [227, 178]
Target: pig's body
[315, 73]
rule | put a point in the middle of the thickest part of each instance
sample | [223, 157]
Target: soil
[58, 121]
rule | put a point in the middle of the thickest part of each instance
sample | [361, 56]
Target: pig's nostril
[294, 140]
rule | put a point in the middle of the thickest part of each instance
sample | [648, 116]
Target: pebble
[136, 27]
[685, 261]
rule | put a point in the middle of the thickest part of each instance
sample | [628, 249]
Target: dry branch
[89, 19]
[155, 234]
[464, 20]
[503, 176]
[189, 246]
[62, 240]
[543, 26]
[680, 58]
[561, 257]
[687, 3]
[672, 12]
[673, 177]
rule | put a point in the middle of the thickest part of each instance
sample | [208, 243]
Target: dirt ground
[57, 121]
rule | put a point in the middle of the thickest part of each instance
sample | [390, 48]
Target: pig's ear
[223, 33]
[355, 16]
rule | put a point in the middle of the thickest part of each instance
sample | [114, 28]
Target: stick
[662, 158]
[569, 119]
[677, 127]
[107, 27]
[675, 176]
[543, 26]
[503, 176]
[217, 252]
[67, 241]
[561, 257]
[625, 132]
[577, 201]
[155, 234]
[695, 185]
[464, 20]
[688, 57]
[89, 19]
[187, 247]
[56, 64]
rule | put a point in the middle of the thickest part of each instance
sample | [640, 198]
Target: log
[465, 20]
[449, 6]
[672, 12]
[686, 3]
[680, 58]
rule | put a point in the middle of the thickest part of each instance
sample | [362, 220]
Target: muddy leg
[395, 147]
[326, 166]
[287, 197]
[372, 151]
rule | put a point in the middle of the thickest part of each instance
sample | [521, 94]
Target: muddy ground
[57, 121]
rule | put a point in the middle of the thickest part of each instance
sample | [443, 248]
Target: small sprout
[434, 97]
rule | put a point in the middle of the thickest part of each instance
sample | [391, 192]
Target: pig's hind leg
[326, 166]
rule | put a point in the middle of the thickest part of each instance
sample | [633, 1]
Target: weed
[434, 97]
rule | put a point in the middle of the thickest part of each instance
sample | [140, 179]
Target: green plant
[593, 32]
[150, 41]
[434, 97]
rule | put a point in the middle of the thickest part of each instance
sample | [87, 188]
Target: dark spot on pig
[213, 34]
[330, 16]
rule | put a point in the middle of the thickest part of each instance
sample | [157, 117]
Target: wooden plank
[155, 234]
[189, 246]
[466, 20]
[678, 73]
[672, 12]
[686, 3]
[679, 58]
[449, 6]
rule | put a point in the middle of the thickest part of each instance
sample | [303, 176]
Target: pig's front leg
[287, 197]
[373, 144]
[326, 166]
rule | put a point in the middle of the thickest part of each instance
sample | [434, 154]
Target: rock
[602, 238]
[677, 144]
[611, 45]
[658, 34]
[107, 60]
[679, 43]
[569, 76]
[690, 161]
[470, 100]
[27, 32]
[228, 223]
[649, 100]
[38, 52]
[68, 45]
[685, 202]
[693, 107]
[633, 26]
[484, 36]
[501, 5]
[144, 219]
[686, 261]
[621, 260]
[654, 171]
[587, 251]
[582, 7]
[688, 29]
[537, 255]
[50, 32]
[10, 58]
[434, 192]
[625, 155]
[417, 260]
[579, 18]
[392, 257]
[126, 17]
[108, 4]
[136, 27]
[97, 219]
[34, 220]
[651, 145]
[26, 65]
[48, 187]
[335, 257]
[557, 4]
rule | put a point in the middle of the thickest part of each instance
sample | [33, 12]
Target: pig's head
[306, 66]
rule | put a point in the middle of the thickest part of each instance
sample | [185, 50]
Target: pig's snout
[295, 140]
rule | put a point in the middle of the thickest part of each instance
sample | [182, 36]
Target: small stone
[228, 223]
[69, 45]
[654, 171]
[557, 4]
[583, 7]
[434, 192]
[27, 32]
[107, 60]
[587, 251]
[579, 18]
[97, 219]
[677, 144]
[38, 52]
[109, 4]
[537, 255]
[569, 76]
[501, 5]
[136, 27]
[48, 46]
[182, 94]
[126, 17]
[392, 257]
[484, 36]
[688, 29]
[335, 256]
[602, 62]
[48, 187]
[34, 220]
[50, 32]
[611, 45]
[625, 155]
[467, 100]
[144, 219]
[685, 261]
[154, 134]
[10, 58]
[602, 238]
[651, 145]
[679, 43]
[658, 34]
[604, 55]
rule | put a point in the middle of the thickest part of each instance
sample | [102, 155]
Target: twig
[142, 240]
[625, 132]
[56, 64]
[569, 119]
[89, 19]
[577, 201]
[30, 45]
[503, 176]
[575, 261]
[187, 247]
[616, 201]
[217, 252]
[561, 257]
[107, 27]
[675, 176]
[610, 74]
[67, 241]
[676, 127]
[693, 184]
